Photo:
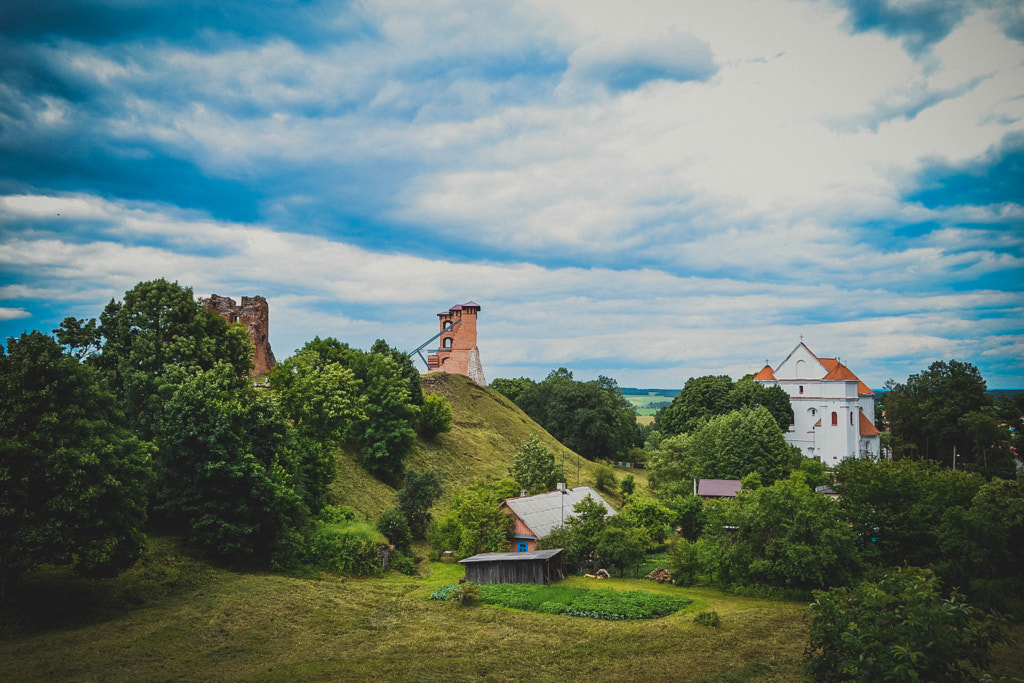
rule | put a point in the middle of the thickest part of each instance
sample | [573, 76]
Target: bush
[899, 628]
[627, 485]
[604, 478]
[350, 551]
[469, 594]
[403, 563]
[396, 528]
[435, 416]
[709, 618]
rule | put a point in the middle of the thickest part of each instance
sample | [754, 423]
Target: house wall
[516, 571]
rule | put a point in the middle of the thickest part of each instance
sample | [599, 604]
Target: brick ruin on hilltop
[254, 314]
[458, 353]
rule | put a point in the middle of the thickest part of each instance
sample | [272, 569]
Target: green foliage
[349, 550]
[406, 369]
[896, 507]
[395, 527]
[72, 481]
[534, 469]
[627, 485]
[585, 527]
[780, 535]
[926, 416]
[683, 563]
[420, 492]
[604, 478]
[672, 468]
[621, 546]
[651, 516]
[592, 418]
[687, 516]
[703, 398]
[473, 524]
[512, 389]
[580, 602]
[435, 416]
[708, 618]
[898, 628]
[732, 446]
[468, 594]
[229, 467]
[386, 433]
[158, 327]
[403, 563]
[320, 398]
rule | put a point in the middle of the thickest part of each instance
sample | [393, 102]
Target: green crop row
[580, 602]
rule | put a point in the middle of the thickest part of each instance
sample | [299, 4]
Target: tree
[73, 480]
[896, 507]
[990, 443]
[621, 545]
[899, 628]
[473, 524]
[534, 469]
[321, 399]
[435, 416]
[386, 433]
[733, 445]
[229, 467]
[420, 492]
[585, 527]
[406, 369]
[649, 515]
[672, 468]
[780, 535]
[512, 389]
[396, 528]
[592, 418]
[703, 398]
[160, 326]
[924, 413]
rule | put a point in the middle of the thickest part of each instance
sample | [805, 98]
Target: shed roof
[721, 488]
[544, 511]
[515, 557]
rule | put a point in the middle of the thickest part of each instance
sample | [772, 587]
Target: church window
[801, 388]
[851, 418]
[835, 418]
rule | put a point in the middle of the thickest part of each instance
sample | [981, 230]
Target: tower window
[447, 343]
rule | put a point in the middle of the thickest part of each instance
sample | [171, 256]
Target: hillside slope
[487, 432]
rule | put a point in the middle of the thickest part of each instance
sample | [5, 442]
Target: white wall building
[833, 411]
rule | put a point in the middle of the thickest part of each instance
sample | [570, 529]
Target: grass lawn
[181, 619]
[176, 618]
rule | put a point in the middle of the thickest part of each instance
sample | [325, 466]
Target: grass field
[177, 618]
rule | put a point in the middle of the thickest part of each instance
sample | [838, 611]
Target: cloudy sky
[646, 190]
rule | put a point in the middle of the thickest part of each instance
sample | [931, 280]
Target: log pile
[660, 575]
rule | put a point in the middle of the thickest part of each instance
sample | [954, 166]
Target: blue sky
[649, 190]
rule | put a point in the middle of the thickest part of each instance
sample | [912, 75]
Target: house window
[835, 418]
[523, 547]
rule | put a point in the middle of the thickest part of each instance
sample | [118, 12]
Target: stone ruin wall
[254, 314]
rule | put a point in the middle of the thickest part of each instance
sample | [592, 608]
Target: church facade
[833, 411]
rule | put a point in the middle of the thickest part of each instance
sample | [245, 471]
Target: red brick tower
[458, 353]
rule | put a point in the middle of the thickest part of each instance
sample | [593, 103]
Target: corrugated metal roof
[544, 511]
[495, 557]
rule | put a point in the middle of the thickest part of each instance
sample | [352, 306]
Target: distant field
[648, 401]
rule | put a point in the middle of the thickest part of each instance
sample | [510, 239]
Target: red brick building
[458, 353]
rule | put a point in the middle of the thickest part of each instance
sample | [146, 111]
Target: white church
[833, 411]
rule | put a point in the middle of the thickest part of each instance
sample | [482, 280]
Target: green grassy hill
[487, 432]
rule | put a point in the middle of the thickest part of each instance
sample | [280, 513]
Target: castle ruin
[254, 314]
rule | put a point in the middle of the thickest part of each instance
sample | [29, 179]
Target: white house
[833, 411]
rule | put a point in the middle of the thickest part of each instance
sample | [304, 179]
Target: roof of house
[544, 511]
[766, 373]
[517, 557]
[866, 428]
[720, 488]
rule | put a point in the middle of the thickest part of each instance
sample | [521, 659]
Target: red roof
[766, 373]
[866, 428]
[840, 371]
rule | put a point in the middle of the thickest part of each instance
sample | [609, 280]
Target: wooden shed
[538, 566]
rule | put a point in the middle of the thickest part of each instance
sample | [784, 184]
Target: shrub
[350, 551]
[435, 416]
[406, 564]
[337, 514]
[469, 594]
[396, 528]
[708, 618]
[627, 485]
[899, 628]
[604, 478]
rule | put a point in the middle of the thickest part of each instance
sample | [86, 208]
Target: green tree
[621, 545]
[672, 468]
[687, 516]
[990, 443]
[395, 527]
[474, 523]
[512, 389]
[733, 445]
[627, 485]
[585, 525]
[435, 416]
[72, 481]
[899, 628]
[533, 467]
[703, 398]
[158, 327]
[420, 492]
[321, 399]
[386, 433]
[651, 516]
[924, 413]
[229, 467]
[780, 535]
[406, 369]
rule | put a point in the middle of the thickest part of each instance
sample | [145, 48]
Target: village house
[707, 489]
[833, 411]
[535, 516]
[540, 566]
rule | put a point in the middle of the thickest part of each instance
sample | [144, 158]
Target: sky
[649, 191]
